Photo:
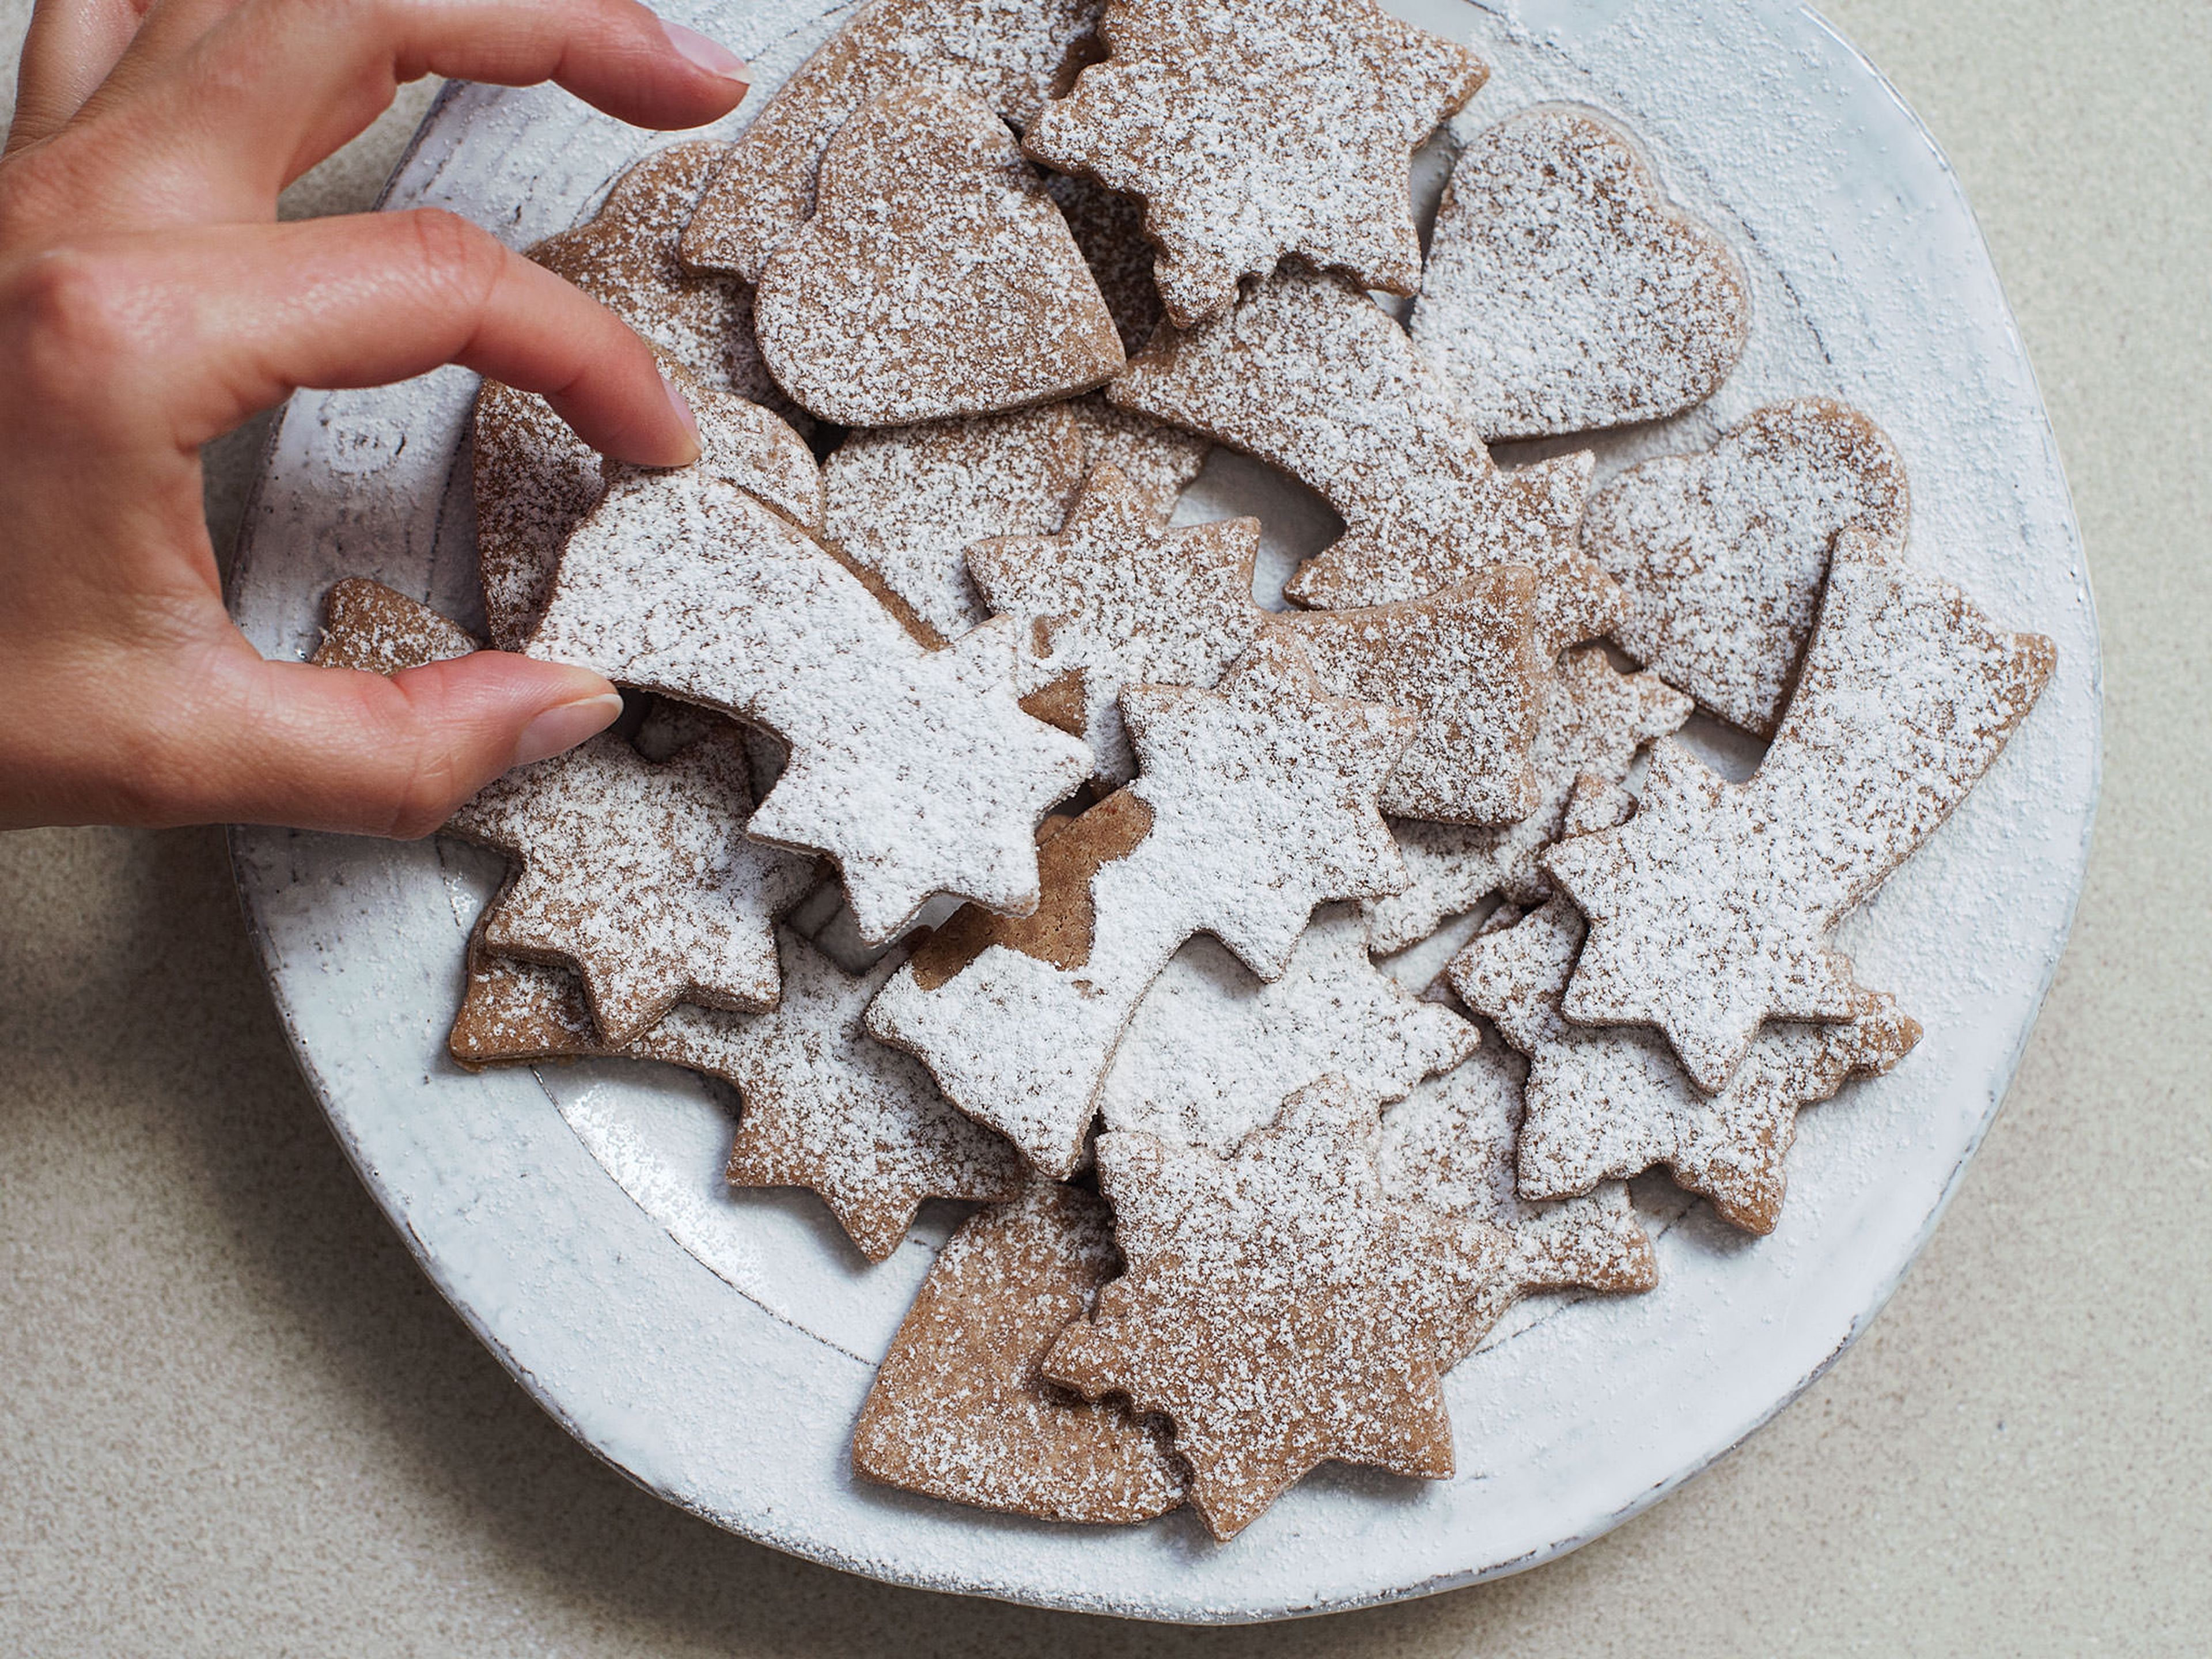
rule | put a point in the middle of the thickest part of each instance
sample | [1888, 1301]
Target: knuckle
[73, 314]
[452, 249]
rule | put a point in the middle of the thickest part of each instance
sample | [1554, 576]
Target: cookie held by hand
[936, 277]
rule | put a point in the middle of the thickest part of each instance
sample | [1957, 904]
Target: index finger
[277, 85]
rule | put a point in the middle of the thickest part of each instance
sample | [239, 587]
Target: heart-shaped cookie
[936, 277]
[1721, 554]
[1565, 293]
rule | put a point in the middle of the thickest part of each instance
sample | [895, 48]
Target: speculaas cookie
[1279, 1308]
[1450, 1145]
[1213, 1051]
[534, 478]
[1252, 130]
[1467, 664]
[1721, 554]
[1011, 54]
[368, 626]
[936, 277]
[1109, 228]
[1711, 909]
[1116, 599]
[905, 501]
[1256, 802]
[915, 770]
[1608, 1101]
[639, 876]
[959, 1410]
[1595, 720]
[1309, 374]
[1565, 293]
[822, 1105]
[827, 1107]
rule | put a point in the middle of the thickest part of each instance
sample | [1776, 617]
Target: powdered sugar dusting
[1711, 909]
[1279, 1308]
[959, 1410]
[1722, 555]
[829, 1108]
[640, 876]
[1212, 1050]
[1565, 293]
[1252, 129]
[1595, 720]
[1451, 1144]
[1262, 804]
[1310, 375]
[913, 769]
[936, 277]
[1009, 54]
[1611, 1101]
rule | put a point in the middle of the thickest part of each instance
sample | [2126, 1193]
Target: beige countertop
[235, 1420]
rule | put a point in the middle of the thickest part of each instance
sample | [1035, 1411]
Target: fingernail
[566, 725]
[711, 56]
[681, 406]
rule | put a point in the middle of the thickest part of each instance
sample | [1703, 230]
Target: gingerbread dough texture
[1256, 802]
[1118, 598]
[827, 1107]
[1722, 555]
[1450, 1145]
[1212, 1050]
[959, 1410]
[1467, 663]
[639, 876]
[534, 478]
[1280, 1310]
[1012, 55]
[1254, 129]
[1310, 375]
[1711, 910]
[1597, 719]
[915, 769]
[1565, 293]
[1608, 1101]
[368, 626]
[936, 277]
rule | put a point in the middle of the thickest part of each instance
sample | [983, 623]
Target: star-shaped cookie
[1118, 598]
[1254, 129]
[1711, 909]
[1450, 1145]
[1256, 802]
[639, 876]
[1280, 1310]
[1212, 1050]
[827, 1107]
[1608, 1101]
[1596, 722]
[958, 1409]
[915, 770]
[1309, 375]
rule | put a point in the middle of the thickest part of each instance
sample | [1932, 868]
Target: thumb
[346, 750]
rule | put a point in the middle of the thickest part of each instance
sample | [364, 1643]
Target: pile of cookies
[978, 824]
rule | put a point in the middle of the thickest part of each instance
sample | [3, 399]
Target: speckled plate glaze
[715, 1347]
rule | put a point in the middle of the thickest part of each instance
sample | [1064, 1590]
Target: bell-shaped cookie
[936, 277]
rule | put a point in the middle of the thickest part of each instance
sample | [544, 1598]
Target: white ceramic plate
[715, 1346]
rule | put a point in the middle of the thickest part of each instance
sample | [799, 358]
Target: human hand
[149, 302]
